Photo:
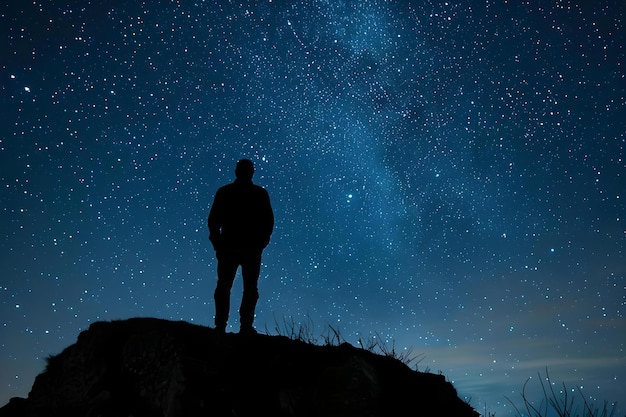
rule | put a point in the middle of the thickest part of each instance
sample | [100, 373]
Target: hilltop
[154, 367]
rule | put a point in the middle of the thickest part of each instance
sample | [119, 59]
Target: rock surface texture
[152, 367]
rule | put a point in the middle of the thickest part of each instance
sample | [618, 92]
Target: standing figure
[241, 221]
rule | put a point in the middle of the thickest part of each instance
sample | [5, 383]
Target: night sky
[448, 177]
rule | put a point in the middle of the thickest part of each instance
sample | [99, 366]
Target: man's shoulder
[259, 188]
[226, 187]
[246, 186]
[230, 187]
[235, 187]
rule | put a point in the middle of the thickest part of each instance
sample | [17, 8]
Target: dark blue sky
[447, 176]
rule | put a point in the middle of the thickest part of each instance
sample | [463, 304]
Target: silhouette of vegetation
[331, 336]
[555, 402]
[287, 327]
[558, 401]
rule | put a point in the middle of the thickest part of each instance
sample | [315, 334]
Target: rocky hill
[152, 367]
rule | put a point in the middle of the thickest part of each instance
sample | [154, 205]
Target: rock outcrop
[152, 367]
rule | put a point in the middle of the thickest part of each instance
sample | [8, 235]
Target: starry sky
[447, 177]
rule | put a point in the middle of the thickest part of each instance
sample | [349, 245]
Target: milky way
[447, 177]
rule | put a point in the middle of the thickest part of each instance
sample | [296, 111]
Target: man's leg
[250, 270]
[226, 270]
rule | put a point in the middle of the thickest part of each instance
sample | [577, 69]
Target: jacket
[241, 218]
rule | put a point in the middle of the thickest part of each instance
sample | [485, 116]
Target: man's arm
[268, 218]
[214, 222]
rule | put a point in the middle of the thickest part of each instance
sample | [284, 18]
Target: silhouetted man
[240, 223]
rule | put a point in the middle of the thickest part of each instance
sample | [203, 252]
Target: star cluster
[447, 177]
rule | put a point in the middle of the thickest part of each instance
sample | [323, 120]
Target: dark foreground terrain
[151, 367]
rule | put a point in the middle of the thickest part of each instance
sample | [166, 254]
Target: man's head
[244, 169]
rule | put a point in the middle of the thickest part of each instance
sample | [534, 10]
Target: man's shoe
[247, 331]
